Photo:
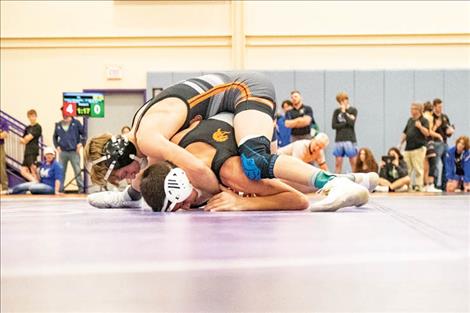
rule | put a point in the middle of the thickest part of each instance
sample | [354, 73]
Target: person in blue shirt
[457, 165]
[282, 132]
[69, 139]
[50, 177]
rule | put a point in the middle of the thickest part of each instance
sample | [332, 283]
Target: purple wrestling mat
[405, 253]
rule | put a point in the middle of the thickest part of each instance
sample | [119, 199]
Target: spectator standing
[393, 173]
[430, 159]
[282, 132]
[458, 165]
[344, 120]
[50, 177]
[300, 118]
[443, 127]
[30, 139]
[309, 151]
[415, 133]
[365, 163]
[68, 139]
[4, 128]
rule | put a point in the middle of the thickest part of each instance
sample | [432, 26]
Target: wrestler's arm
[155, 146]
[298, 122]
[321, 161]
[271, 194]
[227, 200]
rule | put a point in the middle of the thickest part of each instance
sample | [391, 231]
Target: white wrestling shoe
[381, 189]
[113, 199]
[367, 180]
[341, 192]
[431, 188]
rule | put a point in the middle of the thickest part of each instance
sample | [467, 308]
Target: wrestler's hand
[226, 200]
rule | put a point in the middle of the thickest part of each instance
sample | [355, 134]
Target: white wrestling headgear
[177, 189]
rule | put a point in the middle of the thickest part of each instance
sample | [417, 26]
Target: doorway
[119, 109]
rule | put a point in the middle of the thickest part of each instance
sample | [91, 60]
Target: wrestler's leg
[252, 128]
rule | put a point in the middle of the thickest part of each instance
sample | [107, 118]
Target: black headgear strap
[117, 153]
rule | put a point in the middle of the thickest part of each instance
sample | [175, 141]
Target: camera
[387, 159]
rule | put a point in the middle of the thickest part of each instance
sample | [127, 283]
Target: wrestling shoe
[113, 199]
[382, 189]
[341, 192]
[367, 180]
[431, 188]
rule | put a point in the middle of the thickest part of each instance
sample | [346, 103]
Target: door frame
[142, 92]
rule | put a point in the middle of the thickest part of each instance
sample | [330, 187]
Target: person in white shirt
[309, 151]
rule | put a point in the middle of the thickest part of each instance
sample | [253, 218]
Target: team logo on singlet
[220, 135]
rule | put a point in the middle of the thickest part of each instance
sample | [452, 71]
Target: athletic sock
[134, 194]
[320, 179]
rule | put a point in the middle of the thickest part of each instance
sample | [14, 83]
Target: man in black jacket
[299, 118]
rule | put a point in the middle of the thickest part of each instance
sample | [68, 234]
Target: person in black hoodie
[344, 120]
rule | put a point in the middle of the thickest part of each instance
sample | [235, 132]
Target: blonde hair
[417, 105]
[341, 96]
[322, 137]
[93, 151]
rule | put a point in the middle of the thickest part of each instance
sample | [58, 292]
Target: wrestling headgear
[117, 153]
[177, 189]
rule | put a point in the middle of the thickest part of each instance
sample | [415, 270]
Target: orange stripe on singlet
[245, 91]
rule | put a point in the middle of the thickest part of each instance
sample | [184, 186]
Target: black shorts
[30, 159]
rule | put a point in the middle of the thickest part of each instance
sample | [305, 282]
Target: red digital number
[69, 109]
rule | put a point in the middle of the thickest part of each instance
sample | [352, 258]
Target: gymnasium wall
[382, 98]
[48, 47]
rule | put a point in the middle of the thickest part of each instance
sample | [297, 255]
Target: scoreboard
[83, 104]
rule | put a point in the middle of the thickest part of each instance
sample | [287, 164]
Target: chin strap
[113, 164]
[177, 189]
[115, 156]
